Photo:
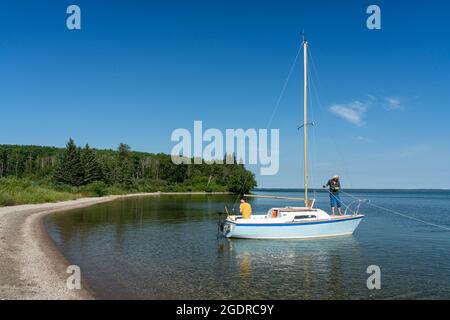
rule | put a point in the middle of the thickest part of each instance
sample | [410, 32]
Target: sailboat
[293, 222]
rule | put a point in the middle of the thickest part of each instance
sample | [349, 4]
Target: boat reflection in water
[319, 269]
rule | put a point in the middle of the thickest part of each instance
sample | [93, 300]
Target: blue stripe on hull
[284, 224]
[295, 230]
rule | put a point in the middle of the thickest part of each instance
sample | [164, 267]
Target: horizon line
[369, 189]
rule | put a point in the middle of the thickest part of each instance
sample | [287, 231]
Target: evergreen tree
[91, 166]
[124, 170]
[69, 169]
[123, 150]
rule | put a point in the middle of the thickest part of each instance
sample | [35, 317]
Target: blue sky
[138, 70]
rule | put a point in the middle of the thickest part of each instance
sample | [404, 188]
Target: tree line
[123, 168]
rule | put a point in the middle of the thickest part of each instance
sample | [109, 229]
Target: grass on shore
[15, 191]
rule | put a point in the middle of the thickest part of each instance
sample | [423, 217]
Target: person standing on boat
[334, 187]
[245, 209]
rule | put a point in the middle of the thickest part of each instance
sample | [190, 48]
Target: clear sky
[138, 70]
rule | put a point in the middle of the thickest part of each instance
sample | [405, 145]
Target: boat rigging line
[273, 197]
[277, 104]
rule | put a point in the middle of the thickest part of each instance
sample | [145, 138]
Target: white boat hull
[335, 226]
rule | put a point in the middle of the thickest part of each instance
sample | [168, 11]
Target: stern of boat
[226, 226]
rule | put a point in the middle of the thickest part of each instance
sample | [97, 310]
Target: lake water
[166, 247]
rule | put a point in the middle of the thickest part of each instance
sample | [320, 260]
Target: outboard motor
[220, 224]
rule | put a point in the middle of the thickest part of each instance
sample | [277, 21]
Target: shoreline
[32, 267]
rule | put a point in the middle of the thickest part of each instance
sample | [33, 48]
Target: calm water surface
[167, 247]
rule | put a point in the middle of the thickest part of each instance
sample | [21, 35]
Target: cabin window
[306, 216]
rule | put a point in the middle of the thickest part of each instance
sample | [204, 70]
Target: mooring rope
[400, 214]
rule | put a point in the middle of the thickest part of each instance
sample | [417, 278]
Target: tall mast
[305, 120]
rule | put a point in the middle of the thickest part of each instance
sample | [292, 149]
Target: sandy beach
[31, 267]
